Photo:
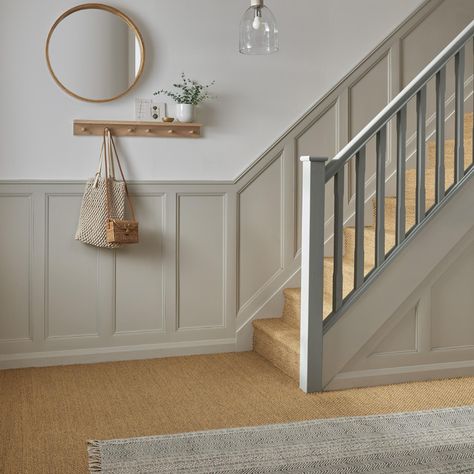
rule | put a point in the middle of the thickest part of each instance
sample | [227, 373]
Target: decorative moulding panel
[375, 84]
[201, 261]
[397, 339]
[15, 267]
[72, 276]
[319, 138]
[452, 303]
[144, 298]
[441, 24]
[401, 339]
[261, 231]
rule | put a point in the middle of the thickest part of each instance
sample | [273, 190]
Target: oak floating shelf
[137, 129]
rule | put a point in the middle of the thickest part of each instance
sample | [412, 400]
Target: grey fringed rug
[435, 441]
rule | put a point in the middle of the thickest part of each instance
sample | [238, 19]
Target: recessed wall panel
[260, 233]
[139, 271]
[367, 97]
[452, 303]
[72, 275]
[320, 139]
[15, 254]
[430, 36]
[201, 261]
[402, 338]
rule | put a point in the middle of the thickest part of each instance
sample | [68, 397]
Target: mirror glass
[95, 53]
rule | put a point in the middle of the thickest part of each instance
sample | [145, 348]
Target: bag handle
[99, 168]
[110, 157]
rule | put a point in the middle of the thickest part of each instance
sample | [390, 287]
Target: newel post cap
[314, 159]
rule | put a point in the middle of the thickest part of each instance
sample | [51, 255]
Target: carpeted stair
[278, 339]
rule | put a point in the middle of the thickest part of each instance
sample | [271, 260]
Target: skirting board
[370, 378]
[111, 354]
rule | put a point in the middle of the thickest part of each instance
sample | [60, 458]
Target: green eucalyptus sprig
[189, 91]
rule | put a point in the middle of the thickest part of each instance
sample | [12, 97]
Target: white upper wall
[258, 97]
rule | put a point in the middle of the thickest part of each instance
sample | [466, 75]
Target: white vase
[185, 112]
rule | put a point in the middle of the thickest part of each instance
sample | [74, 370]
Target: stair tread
[292, 292]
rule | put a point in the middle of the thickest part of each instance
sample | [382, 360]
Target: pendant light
[258, 30]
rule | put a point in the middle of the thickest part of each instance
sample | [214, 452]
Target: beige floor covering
[47, 414]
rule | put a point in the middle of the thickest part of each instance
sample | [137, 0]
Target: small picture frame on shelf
[147, 110]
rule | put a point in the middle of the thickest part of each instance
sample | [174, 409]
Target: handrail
[398, 102]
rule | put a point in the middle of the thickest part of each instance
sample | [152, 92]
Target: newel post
[312, 268]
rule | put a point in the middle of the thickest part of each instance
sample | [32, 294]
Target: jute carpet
[434, 441]
[47, 414]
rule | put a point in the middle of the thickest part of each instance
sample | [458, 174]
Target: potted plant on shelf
[187, 94]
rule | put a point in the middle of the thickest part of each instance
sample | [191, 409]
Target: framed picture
[147, 110]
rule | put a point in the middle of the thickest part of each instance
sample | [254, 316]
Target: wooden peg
[148, 130]
[170, 131]
[130, 130]
[83, 129]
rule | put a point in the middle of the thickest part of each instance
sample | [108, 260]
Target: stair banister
[316, 173]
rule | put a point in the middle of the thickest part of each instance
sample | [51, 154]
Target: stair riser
[291, 311]
[449, 154]
[287, 361]
[430, 183]
[369, 245]
[410, 213]
[347, 282]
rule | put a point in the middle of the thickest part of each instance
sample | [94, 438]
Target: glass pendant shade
[258, 30]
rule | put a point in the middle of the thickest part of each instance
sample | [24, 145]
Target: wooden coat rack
[137, 129]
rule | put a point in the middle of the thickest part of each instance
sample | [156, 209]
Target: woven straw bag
[96, 207]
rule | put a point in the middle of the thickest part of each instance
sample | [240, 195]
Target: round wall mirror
[95, 52]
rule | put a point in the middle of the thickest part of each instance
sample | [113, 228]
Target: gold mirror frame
[115, 11]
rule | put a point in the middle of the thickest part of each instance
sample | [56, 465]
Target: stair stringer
[382, 302]
[417, 342]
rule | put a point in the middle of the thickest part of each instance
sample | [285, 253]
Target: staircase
[278, 339]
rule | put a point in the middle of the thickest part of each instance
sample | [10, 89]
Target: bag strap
[99, 168]
[111, 160]
[107, 177]
[113, 149]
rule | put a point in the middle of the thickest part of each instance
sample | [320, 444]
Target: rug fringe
[95, 461]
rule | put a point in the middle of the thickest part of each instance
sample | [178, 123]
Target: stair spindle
[401, 165]
[440, 99]
[359, 219]
[459, 116]
[381, 145]
[338, 239]
[420, 154]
